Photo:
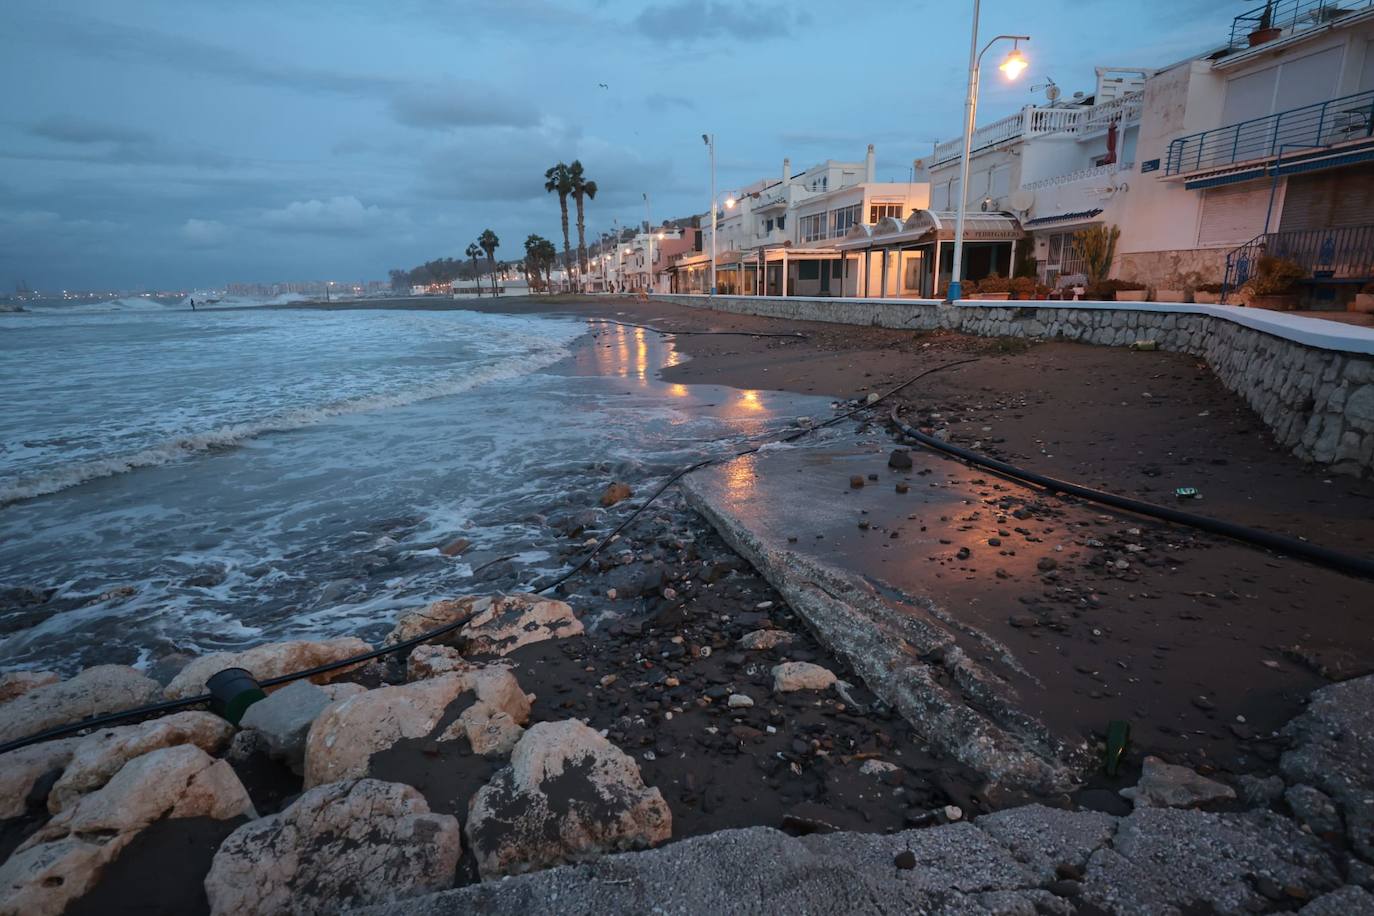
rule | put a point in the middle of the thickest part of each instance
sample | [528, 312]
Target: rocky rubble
[268, 661]
[496, 624]
[93, 692]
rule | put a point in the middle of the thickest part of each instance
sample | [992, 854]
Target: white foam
[232, 434]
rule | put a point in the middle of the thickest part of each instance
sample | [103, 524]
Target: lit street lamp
[1012, 66]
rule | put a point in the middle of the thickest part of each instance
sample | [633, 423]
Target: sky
[187, 144]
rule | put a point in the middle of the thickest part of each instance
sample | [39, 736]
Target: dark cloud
[77, 130]
[695, 20]
[668, 101]
[462, 104]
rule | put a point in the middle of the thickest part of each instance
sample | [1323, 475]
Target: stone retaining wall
[1311, 381]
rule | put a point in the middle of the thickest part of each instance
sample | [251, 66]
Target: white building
[1263, 147]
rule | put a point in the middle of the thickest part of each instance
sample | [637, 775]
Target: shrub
[994, 283]
[968, 288]
[1023, 287]
[1096, 245]
[1127, 285]
[1368, 289]
[1042, 290]
[1214, 288]
[1275, 276]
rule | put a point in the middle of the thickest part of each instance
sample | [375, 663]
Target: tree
[473, 251]
[489, 242]
[581, 188]
[400, 281]
[558, 180]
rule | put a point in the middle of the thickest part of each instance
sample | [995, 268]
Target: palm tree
[474, 251]
[558, 180]
[488, 242]
[581, 188]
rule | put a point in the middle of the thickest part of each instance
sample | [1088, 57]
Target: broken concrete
[1165, 785]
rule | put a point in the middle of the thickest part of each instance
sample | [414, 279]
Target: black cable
[187, 702]
[1280, 543]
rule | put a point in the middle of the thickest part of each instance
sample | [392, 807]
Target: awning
[1077, 216]
[924, 227]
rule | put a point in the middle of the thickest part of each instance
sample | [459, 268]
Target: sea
[177, 482]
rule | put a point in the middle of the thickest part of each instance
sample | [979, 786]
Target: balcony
[1044, 122]
[1290, 16]
[1321, 125]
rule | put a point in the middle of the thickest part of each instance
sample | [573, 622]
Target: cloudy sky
[181, 143]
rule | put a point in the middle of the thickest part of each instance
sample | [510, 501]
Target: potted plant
[1207, 293]
[1364, 300]
[1265, 30]
[1096, 246]
[1130, 291]
[1174, 292]
[1023, 287]
[1042, 291]
[1275, 284]
[993, 286]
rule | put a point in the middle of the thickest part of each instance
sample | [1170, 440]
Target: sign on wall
[1149, 165]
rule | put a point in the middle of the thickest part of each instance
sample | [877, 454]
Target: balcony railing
[1040, 122]
[1292, 16]
[1327, 123]
[1098, 172]
[1332, 255]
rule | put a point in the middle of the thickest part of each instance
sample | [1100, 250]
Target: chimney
[870, 166]
[786, 172]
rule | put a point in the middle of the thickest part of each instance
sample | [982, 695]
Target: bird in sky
[603, 86]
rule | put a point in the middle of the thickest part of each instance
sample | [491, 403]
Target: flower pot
[1206, 298]
[1364, 302]
[1131, 295]
[1260, 36]
[1171, 295]
[1280, 302]
[1041, 298]
[991, 297]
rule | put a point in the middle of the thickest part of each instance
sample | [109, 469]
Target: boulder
[766, 639]
[99, 756]
[1333, 750]
[614, 493]
[283, 720]
[268, 661]
[456, 547]
[65, 858]
[22, 771]
[568, 794]
[17, 683]
[339, 845]
[508, 622]
[1164, 785]
[428, 661]
[346, 734]
[496, 624]
[791, 676]
[93, 692]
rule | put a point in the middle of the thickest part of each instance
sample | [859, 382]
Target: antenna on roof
[1051, 89]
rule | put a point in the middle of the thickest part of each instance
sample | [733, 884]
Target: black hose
[187, 702]
[1279, 543]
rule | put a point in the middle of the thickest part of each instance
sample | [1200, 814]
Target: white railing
[1097, 171]
[1041, 122]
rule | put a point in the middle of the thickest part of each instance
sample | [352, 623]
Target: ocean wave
[230, 435]
[126, 304]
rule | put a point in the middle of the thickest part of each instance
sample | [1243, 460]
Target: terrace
[1079, 122]
[1282, 18]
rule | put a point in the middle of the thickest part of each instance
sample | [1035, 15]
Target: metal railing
[1349, 117]
[1040, 122]
[1332, 255]
[1094, 172]
[1291, 16]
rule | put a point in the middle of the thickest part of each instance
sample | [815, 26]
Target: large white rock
[346, 734]
[1166, 785]
[17, 683]
[267, 661]
[93, 692]
[496, 624]
[568, 794]
[339, 845]
[64, 859]
[99, 756]
[21, 770]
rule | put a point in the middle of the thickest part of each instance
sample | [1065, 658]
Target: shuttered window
[1329, 200]
[1232, 215]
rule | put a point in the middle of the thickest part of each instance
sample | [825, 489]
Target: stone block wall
[1316, 398]
[1172, 269]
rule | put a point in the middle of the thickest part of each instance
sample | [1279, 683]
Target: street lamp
[1012, 66]
[710, 141]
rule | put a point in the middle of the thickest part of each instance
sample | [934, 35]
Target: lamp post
[1013, 65]
[649, 232]
[710, 141]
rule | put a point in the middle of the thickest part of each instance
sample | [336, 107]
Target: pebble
[857, 481]
[906, 860]
[739, 701]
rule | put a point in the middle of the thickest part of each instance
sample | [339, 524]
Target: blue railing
[1327, 123]
[1331, 256]
[1291, 15]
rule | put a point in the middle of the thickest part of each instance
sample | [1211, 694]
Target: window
[782, 222]
[881, 211]
[813, 227]
[768, 225]
[1063, 258]
[843, 219]
[808, 270]
[837, 269]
